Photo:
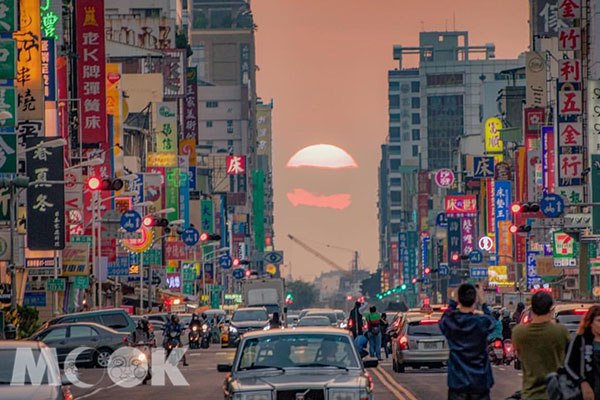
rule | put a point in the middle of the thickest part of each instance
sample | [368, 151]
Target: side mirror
[370, 363]
[227, 367]
[227, 321]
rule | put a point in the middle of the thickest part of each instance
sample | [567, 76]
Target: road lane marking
[388, 385]
[400, 387]
[96, 391]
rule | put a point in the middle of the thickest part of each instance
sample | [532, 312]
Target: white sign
[486, 243]
[565, 262]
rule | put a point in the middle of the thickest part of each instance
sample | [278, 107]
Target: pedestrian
[361, 345]
[518, 312]
[582, 361]
[540, 346]
[373, 319]
[355, 320]
[385, 338]
[497, 333]
[469, 370]
[506, 320]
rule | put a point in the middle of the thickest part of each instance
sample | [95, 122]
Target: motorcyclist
[196, 321]
[497, 334]
[141, 334]
[174, 326]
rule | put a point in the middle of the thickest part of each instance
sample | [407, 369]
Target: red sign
[534, 119]
[176, 251]
[569, 9]
[569, 71]
[570, 134]
[569, 39]
[236, 165]
[190, 106]
[570, 102]
[91, 70]
[461, 204]
[491, 219]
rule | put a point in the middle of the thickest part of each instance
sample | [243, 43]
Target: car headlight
[195, 328]
[262, 395]
[142, 357]
[343, 394]
[232, 329]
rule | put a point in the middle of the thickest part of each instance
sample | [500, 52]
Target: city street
[205, 382]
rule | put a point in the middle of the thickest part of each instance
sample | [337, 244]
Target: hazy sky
[325, 63]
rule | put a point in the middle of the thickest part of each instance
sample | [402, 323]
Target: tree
[305, 294]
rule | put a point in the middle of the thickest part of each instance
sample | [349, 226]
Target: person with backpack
[373, 319]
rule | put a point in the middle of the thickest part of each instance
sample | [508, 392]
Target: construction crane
[354, 253]
[319, 255]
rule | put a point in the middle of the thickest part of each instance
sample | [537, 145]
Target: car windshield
[416, 329]
[332, 317]
[25, 376]
[299, 350]
[314, 321]
[569, 318]
[340, 315]
[250, 315]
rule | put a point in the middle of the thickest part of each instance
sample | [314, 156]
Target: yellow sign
[166, 126]
[134, 269]
[271, 269]
[596, 291]
[139, 245]
[162, 160]
[498, 275]
[29, 62]
[493, 144]
[114, 105]
[76, 259]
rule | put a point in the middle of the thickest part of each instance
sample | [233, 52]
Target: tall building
[433, 110]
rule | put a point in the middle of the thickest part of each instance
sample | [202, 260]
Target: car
[115, 318]
[316, 320]
[162, 317]
[291, 318]
[65, 338]
[50, 385]
[305, 311]
[324, 313]
[301, 363]
[419, 342]
[244, 320]
[211, 313]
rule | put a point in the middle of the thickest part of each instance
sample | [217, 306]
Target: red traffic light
[513, 229]
[235, 262]
[203, 237]
[148, 221]
[414, 280]
[248, 273]
[455, 257]
[93, 183]
[516, 208]
[427, 270]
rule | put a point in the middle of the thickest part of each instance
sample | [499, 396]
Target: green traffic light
[388, 292]
[403, 286]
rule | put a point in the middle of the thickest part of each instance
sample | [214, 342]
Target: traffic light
[427, 270]
[235, 262]
[205, 237]
[248, 273]
[149, 221]
[106, 184]
[455, 257]
[531, 207]
[403, 287]
[519, 229]
[289, 298]
[414, 280]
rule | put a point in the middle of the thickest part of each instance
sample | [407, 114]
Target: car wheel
[101, 357]
[400, 368]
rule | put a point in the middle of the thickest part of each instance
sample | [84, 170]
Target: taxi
[419, 342]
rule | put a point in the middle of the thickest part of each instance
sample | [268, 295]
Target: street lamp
[60, 142]
[93, 162]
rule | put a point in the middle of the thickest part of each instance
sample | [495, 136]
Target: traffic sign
[131, 221]
[81, 282]
[486, 243]
[238, 273]
[225, 261]
[443, 270]
[190, 236]
[552, 205]
[475, 257]
[479, 272]
[274, 257]
[441, 220]
[55, 285]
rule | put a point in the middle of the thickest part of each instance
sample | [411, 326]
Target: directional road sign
[443, 270]
[479, 272]
[552, 205]
[476, 257]
[225, 261]
[55, 285]
[274, 257]
[131, 221]
[441, 220]
[238, 273]
[190, 236]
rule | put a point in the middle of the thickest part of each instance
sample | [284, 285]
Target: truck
[264, 292]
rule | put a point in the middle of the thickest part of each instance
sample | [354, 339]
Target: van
[115, 318]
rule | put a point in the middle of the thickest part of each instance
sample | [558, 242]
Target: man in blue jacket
[469, 369]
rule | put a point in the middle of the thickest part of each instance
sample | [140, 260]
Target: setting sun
[322, 156]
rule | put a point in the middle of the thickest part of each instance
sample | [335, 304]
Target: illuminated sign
[139, 245]
[493, 143]
[162, 160]
[49, 68]
[461, 204]
[166, 126]
[49, 20]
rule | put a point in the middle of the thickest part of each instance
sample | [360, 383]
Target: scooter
[496, 351]
[172, 342]
[143, 362]
[509, 351]
[205, 340]
[194, 336]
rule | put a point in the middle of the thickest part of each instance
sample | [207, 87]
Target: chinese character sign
[569, 9]
[45, 201]
[492, 135]
[593, 115]
[166, 127]
[454, 240]
[444, 178]
[569, 70]
[461, 204]
[30, 99]
[545, 18]
[236, 165]
[468, 235]
[484, 167]
[569, 39]
[502, 200]
[190, 105]
[91, 70]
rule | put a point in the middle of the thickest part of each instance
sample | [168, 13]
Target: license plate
[430, 345]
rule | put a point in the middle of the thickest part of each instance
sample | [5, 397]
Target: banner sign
[461, 205]
[403, 256]
[45, 202]
[454, 241]
[535, 75]
[166, 126]
[91, 70]
[493, 144]
[502, 200]
[548, 155]
[49, 68]
[468, 235]
[531, 270]
[190, 105]
[413, 266]
[76, 259]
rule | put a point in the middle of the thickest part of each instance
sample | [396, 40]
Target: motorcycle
[172, 342]
[496, 351]
[143, 362]
[509, 351]
[205, 341]
[194, 336]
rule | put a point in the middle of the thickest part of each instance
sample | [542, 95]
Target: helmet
[174, 318]
[194, 316]
[203, 315]
[143, 324]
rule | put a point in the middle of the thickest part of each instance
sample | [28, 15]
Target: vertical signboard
[8, 19]
[172, 193]
[45, 202]
[545, 21]
[91, 70]
[166, 126]
[49, 68]
[190, 105]
[548, 158]
[454, 241]
[535, 95]
[493, 144]
[468, 235]
[114, 106]
[593, 115]
[184, 189]
[595, 189]
[403, 257]
[258, 206]
[29, 62]
[394, 264]
[502, 201]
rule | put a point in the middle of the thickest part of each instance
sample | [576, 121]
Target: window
[396, 182]
[394, 117]
[416, 119]
[416, 134]
[415, 86]
[115, 321]
[89, 318]
[395, 165]
[445, 79]
[229, 123]
[394, 85]
[415, 150]
[394, 101]
[396, 150]
[54, 334]
[78, 332]
[396, 196]
[212, 104]
[416, 102]
[395, 229]
[394, 133]
[209, 124]
[396, 214]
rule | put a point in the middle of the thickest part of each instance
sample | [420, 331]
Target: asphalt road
[205, 382]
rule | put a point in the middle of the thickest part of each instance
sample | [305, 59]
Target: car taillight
[498, 344]
[403, 342]
[525, 319]
[67, 395]
[580, 311]
[350, 323]
[370, 378]
[150, 327]
[429, 321]
[124, 338]
[508, 349]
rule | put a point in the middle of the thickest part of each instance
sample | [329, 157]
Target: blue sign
[238, 273]
[443, 270]
[137, 185]
[479, 272]
[192, 180]
[502, 200]
[476, 257]
[184, 198]
[441, 220]
[131, 221]
[190, 236]
[531, 270]
[484, 167]
[225, 261]
[120, 268]
[34, 299]
[552, 205]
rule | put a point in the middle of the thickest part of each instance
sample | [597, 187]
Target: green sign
[595, 193]
[189, 274]
[8, 106]
[8, 154]
[4, 204]
[81, 239]
[563, 245]
[216, 288]
[172, 195]
[258, 205]
[8, 16]
[81, 282]
[55, 285]
[8, 59]
[207, 217]
[188, 288]
[153, 257]
[215, 300]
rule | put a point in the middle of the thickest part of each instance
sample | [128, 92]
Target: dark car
[316, 320]
[244, 320]
[115, 318]
[67, 337]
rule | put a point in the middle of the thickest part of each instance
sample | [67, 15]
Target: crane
[319, 255]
